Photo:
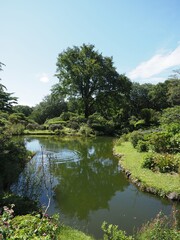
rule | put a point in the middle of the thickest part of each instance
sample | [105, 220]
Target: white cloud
[44, 78]
[157, 64]
[153, 80]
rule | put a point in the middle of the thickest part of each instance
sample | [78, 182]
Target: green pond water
[85, 185]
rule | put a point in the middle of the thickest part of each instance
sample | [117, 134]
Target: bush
[112, 232]
[27, 226]
[172, 128]
[170, 115]
[17, 117]
[73, 124]
[65, 116]
[85, 130]
[17, 129]
[32, 126]
[160, 142]
[54, 127]
[165, 142]
[142, 146]
[100, 124]
[135, 137]
[162, 162]
[175, 143]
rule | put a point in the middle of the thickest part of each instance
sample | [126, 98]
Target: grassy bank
[68, 233]
[162, 184]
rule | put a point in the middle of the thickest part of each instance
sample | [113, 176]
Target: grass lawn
[38, 132]
[68, 233]
[132, 161]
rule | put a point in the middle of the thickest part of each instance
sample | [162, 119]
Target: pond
[83, 182]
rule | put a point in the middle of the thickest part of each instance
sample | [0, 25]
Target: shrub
[16, 117]
[112, 232]
[73, 124]
[32, 126]
[149, 161]
[78, 118]
[3, 119]
[135, 137]
[172, 128]
[54, 127]
[175, 143]
[56, 120]
[170, 115]
[17, 129]
[65, 116]
[142, 146]
[85, 130]
[100, 124]
[160, 142]
[27, 226]
[162, 162]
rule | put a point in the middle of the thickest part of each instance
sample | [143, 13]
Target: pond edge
[172, 196]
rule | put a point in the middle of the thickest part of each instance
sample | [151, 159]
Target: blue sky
[143, 36]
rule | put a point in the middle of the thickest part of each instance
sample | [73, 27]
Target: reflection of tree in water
[89, 183]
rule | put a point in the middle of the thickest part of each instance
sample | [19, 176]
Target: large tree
[84, 74]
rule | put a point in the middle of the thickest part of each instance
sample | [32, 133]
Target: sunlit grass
[38, 132]
[68, 233]
[132, 161]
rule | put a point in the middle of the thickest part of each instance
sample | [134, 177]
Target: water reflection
[87, 185]
[87, 175]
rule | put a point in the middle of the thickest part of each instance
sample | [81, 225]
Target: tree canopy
[85, 75]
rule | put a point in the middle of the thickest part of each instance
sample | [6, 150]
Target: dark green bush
[13, 155]
[65, 116]
[142, 146]
[149, 161]
[32, 126]
[160, 142]
[172, 128]
[99, 124]
[135, 137]
[22, 205]
[73, 124]
[54, 127]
